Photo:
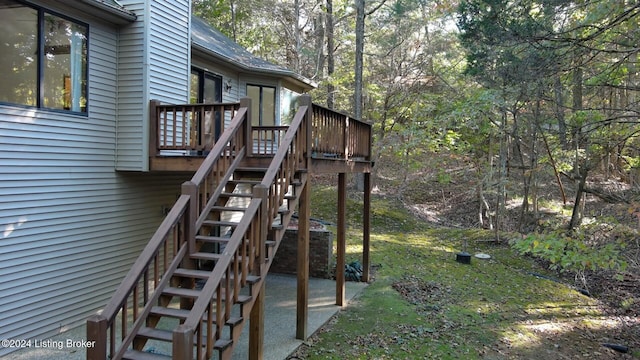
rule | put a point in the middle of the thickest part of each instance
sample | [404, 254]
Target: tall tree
[359, 51]
[331, 67]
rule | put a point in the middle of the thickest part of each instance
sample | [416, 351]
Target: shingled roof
[213, 42]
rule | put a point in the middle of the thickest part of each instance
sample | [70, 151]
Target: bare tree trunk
[576, 216]
[330, 56]
[296, 29]
[555, 169]
[559, 106]
[357, 95]
[502, 189]
[234, 26]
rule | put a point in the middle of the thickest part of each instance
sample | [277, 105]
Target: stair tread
[157, 334]
[222, 344]
[244, 195]
[206, 256]
[198, 274]
[192, 293]
[170, 312]
[245, 181]
[251, 169]
[213, 239]
[220, 223]
[229, 208]
[203, 274]
[183, 314]
[182, 292]
[243, 299]
[143, 355]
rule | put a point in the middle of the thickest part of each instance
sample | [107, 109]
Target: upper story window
[44, 58]
[265, 97]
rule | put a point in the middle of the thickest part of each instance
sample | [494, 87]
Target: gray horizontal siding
[169, 51]
[131, 91]
[70, 224]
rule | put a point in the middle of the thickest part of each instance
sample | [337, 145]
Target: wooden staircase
[211, 241]
[196, 282]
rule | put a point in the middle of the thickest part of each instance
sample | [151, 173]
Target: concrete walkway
[280, 321]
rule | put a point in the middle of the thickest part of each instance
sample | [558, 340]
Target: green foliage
[567, 254]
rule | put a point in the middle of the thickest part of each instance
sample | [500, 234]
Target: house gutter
[116, 15]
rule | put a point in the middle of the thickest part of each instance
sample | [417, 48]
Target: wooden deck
[181, 136]
[204, 268]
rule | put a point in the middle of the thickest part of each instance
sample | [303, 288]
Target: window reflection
[19, 48]
[64, 64]
[54, 78]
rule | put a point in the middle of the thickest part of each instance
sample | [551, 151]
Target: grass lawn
[423, 304]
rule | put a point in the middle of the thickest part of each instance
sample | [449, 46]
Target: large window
[44, 58]
[264, 114]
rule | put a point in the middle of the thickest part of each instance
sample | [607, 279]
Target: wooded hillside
[516, 116]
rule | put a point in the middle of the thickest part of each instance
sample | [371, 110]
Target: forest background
[515, 116]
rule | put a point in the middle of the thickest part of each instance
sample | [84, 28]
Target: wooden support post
[97, 331]
[302, 270]
[248, 136]
[305, 100]
[190, 189]
[256, 326]
[262, 192]
[256, 317]
[153, 128]
[182, 343]
[341, 246]
[366, 227]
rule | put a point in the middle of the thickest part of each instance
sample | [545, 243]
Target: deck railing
[192, 128]
[336, 135]
[266, 139]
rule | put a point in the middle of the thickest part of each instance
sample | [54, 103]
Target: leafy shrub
[568, 254]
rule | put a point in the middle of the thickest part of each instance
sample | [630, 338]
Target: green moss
[469, 311]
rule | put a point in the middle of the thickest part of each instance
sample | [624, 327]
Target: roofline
[295, 77]
[118, 16]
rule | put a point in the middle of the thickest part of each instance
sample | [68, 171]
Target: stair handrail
[224, 157]
[232, 264]
[290, 156]
[189, 211]
[103, 325]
